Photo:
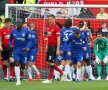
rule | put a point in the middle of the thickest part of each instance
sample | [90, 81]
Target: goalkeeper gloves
[97, 60]
[105, 60]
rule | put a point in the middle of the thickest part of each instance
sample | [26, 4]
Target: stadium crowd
[68, 48]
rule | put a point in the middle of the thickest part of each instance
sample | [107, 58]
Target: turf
[37, 85]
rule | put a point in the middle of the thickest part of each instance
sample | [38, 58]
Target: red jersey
[5, 35]
[53, 33]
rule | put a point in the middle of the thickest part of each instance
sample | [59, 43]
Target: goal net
[38, 14]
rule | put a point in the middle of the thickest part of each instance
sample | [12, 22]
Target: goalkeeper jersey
[100, 45]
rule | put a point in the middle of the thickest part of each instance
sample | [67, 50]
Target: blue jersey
[31, 55]
[34, 40]
[87, 35]
[22, 39]
[87, 53]
[75, 44]
[64, 37]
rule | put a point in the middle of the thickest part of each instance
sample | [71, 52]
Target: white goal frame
[51, 6]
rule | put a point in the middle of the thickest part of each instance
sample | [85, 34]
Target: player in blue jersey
[64, 35]
[31, 55]
[86, 54]
[22, 44]
[75, 47]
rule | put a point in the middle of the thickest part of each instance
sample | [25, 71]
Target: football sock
[35, 68]
[17, 73]
[50, 74]
[30, 72]
[99, 69]
[107, 69]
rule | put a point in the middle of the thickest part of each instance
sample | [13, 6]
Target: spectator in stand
[19, 1]
[58, 14]
[1, 24]
[29, 1]
[90, 28]
[3, 19]
[102, 14]
[2, 6]
[103, 29]
[76, 12]
[46, 13]
[85, 13]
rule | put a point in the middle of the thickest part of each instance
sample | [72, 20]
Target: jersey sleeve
[61, 37]
[34, 38]
[88, 33]
[85, 42]
[95, 47]
[29, 39]
[0, 33]
[68, 44]
[10, 39]
[57, 31]
[106, 46]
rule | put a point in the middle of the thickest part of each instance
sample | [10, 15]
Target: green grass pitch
[37, 85]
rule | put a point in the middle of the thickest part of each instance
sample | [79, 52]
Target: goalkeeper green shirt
[101, 45]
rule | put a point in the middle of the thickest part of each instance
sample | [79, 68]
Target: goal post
[50, 6]
[35, 13]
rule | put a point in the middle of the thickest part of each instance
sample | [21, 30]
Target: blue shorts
[66, 56]
[87, 54]
[20, 57]
[77, 57]
[59, 59]
[31, 55]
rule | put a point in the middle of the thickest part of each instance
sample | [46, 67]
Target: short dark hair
[103, 23]
[7, 20]
[81, 24]
[46, 9]
[60, 25]
[68, 23]
[51, 16]
[99, 33]
[0, 20]
[88, 23]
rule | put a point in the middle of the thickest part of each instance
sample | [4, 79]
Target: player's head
[88, 23]
[99, 35]
[19, 24]
[104, 25]
[25, 25]
[32, 25]
[46, 11]
[51, 19]
[81, 24]
[7, 22]
[102, 10]
[77, 32]
[68, 23]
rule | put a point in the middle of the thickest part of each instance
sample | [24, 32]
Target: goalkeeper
[101, 53]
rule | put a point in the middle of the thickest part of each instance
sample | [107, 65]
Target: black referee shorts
[7, 53]
[51, 53]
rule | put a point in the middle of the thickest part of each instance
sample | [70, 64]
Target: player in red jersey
[6, 52]
[53, 48]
